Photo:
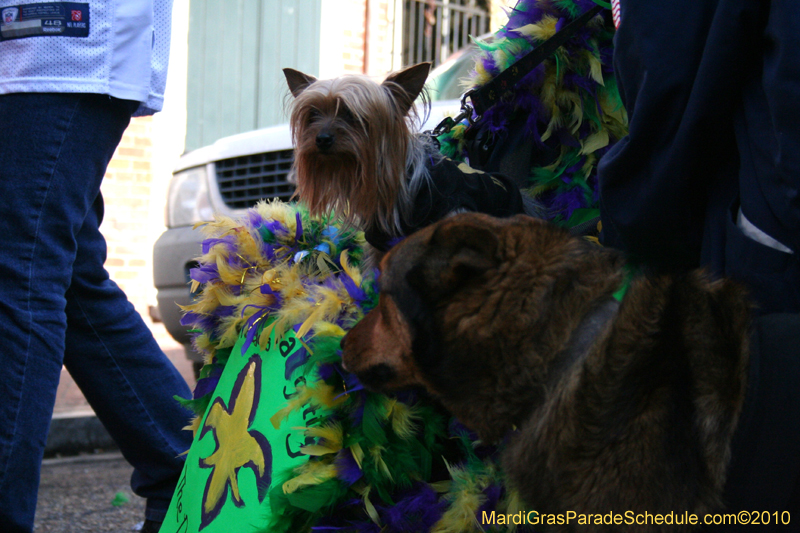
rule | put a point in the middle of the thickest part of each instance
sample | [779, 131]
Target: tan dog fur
[481, 312]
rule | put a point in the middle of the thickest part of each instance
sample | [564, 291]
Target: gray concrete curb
[74, 433]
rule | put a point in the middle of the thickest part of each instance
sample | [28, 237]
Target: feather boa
[375, 462]
[571, 102]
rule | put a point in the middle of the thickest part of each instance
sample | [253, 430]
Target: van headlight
[188, 201]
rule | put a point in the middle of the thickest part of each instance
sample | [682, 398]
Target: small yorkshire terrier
[359, 154]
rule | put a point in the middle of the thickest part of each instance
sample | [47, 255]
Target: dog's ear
[460, 252]
[297, 81]
[406, 84]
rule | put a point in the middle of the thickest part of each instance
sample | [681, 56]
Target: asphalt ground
[85, 482]
[87, 493]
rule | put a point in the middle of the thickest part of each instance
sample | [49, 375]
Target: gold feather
[313, 474]
[403, 419]
[376, 452]
[358, 454]
[296, 402]
[595, 141]
[351, 271]
[542, 30]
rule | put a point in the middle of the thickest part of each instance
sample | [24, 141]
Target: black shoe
[150, 527]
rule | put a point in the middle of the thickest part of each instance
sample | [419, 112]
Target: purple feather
[223, 310]
[205, 386]
[355, 292]
[204, 273]
[254, 218]
[196, 320]
[275, 227]
[326, 371]
[250, 325]
[229, 241]
[347, 468]
[568, 201]
[295, 361]
[415, 512]
[298, 234]
[492, 493]
[266, 289]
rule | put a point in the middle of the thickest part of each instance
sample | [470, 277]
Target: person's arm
[680, 66]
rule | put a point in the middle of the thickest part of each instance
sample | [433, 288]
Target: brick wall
[134, 213]
[380, 44]
[353, 33]
[370, 20]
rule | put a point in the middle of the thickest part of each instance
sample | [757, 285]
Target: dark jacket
[712, 88]
[453, 187]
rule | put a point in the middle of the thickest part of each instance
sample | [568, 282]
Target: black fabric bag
[511, 152]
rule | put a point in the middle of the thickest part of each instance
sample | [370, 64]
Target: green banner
[229, 468]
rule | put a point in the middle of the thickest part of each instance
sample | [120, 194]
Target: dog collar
[630, 271]
[583, 337]
[596, 320]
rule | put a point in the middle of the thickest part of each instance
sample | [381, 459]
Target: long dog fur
[484, 313]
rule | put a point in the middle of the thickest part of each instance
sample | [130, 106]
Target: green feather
[374, 419]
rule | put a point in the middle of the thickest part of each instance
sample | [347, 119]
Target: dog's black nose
[324, 141]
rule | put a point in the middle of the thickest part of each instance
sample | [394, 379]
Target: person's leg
[54, 150]
[127, 379]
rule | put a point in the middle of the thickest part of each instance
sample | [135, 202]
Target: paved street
[90, 492]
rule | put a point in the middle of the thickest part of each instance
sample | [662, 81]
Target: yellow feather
[358, 454]
[596, 69]
[202, 342]
[296, 402]
[460, 517]
[542, 30]
[332, 434]
[515, 505]
[229, 327]
[595, 141]
[441, 486]
[370, 508]
[194, 425]
[376, 452]
[328, 306]
[313, 474]
[403, 419]
[351, 271]
[466, 500]
[326, 396]
[248, 246]
[329, 329]
[318, 450]
[482, 77]
[228, 274]
[264, 336]
[223, 295]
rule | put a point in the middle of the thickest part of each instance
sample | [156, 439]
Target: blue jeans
[58, 305]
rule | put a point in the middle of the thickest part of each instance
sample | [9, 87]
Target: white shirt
[114, 47]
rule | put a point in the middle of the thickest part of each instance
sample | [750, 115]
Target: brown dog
[511, 323]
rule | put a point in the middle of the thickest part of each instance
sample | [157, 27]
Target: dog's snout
[325, 140]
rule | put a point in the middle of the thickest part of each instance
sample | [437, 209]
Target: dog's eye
[312, 115]
[346, 115]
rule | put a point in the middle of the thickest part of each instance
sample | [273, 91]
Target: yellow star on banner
[236, 446]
